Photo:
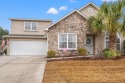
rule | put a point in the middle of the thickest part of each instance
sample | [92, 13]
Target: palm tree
[110, 18]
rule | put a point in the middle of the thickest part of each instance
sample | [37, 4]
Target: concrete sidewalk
[22, 69]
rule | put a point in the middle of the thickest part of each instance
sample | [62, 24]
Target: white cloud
[109, 0]
[72, 1]
[63, 8]
[52, 11]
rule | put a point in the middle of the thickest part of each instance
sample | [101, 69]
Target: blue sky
[38, 9]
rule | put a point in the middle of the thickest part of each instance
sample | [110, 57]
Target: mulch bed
[82, 58]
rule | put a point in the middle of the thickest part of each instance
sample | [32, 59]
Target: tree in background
[3, 32]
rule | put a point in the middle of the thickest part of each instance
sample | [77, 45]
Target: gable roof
[46, 29]
[91, 3]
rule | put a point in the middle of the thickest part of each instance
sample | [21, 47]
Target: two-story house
[27, 37]
[36, 37]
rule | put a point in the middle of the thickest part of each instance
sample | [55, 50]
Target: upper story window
[68, 41]
[30, 26]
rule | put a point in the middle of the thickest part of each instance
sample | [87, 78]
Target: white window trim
[105, 40]
[67, 41]
[120, 40]
[31, 26]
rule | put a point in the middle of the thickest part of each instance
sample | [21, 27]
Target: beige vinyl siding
[88, 14]
[99, 42]
[17, 27]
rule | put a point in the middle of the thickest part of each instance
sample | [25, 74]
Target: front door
[89, 44]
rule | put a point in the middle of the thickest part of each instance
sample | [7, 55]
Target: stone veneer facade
[74, 23]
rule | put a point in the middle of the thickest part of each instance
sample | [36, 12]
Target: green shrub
[51, 53]
[82, 51]
[106, 49]
[118, 53]
[110, 53]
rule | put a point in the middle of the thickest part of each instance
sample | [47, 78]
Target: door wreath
[88, 41]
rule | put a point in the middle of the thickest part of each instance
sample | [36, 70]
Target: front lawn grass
[85, 71]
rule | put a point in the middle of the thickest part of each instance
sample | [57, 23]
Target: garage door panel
[29, 47]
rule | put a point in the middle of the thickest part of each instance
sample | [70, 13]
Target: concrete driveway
[21, 69]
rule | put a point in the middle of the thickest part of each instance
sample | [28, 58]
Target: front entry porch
[90, 44]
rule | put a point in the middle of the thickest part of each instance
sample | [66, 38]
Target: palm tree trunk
[112, 42]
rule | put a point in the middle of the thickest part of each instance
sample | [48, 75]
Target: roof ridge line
[65, 17]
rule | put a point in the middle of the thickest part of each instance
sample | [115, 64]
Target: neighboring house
[71, 32]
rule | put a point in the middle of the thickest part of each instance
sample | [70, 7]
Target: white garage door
[28, 47]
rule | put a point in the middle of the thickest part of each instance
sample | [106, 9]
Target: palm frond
[95, 24]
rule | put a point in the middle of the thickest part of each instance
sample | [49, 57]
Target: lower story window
[68, 41]
[117, 41]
